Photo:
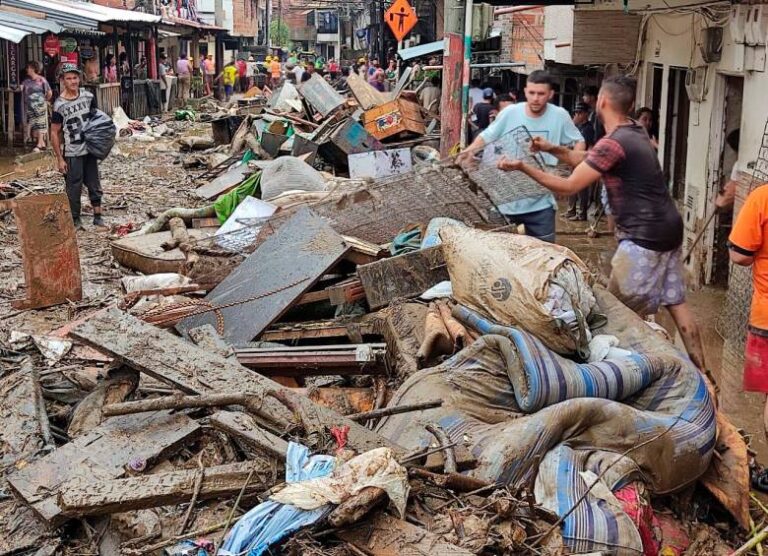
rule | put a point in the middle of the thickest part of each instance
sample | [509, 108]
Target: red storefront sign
[51, 45]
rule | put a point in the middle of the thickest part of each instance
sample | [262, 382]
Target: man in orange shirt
[748, 246]
[274, 70]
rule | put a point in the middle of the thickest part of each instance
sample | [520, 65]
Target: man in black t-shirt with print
[483, 110]
[647, 269]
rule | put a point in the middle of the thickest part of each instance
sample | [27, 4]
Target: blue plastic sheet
[270, 522]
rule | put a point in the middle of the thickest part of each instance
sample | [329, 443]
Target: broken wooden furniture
[394, 118]
[359, 359]
[49, 250]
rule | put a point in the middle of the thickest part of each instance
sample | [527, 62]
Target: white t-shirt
[298, 71]
[250, 69]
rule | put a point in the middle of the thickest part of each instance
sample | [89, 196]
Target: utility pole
[453, 63]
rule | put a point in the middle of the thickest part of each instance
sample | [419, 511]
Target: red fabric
[340, 434]
[756, 364]
[641, 514]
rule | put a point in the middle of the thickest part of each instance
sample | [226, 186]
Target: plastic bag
[99, 131]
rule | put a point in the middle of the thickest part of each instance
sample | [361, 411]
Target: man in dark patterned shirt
[70, 112]
[647, 269]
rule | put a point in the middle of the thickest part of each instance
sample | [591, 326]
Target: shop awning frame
[14, 27]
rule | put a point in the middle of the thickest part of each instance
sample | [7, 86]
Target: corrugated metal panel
[420, 50]
[11, 34]
[30, 24]
[81, 14]
[604, 37]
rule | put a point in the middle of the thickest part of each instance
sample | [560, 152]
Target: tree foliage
[279, 34]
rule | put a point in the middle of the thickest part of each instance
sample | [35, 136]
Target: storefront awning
[14, 27]
[420, 50]
[81, 15]
[181, 22]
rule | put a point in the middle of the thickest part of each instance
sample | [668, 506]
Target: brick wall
[522, 38]
[245, 18]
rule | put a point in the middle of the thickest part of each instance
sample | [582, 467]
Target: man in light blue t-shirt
[541, 119]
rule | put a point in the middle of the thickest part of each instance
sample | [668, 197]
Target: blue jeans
[539, 224]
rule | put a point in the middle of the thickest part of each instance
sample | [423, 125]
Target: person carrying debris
[748, 246]
[429, 96]
[647, 269]
[70, 112]
[541, 119]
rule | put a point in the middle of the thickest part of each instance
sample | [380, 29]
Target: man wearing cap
[483, 110]
[578, 204]
[70, 112]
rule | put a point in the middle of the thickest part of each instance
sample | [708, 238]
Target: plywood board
[103, 453]
[365, 95]
[273, 277]
[380, 164]
[231, 178]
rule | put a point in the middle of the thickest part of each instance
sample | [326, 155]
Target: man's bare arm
[565, 155]
[582, 177]
[56, 144]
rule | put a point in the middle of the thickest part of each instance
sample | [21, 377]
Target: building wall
[522, 38]
[245, 18]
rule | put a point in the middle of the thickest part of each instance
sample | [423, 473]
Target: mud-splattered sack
[520, 281]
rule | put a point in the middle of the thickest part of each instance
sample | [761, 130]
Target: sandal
[760, 480]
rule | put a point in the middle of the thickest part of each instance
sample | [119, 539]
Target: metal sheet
[49, 247]
[297, 255]
[321, 95]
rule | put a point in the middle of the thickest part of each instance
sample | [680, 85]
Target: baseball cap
[488, 93]
[68, 67]
[581, 107]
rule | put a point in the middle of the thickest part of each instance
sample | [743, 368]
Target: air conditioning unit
[695, 84]
[755, 26]
[737, 24]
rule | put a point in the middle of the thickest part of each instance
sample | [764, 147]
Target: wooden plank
[297, 255]
[365, 95]
[405, 276]
[245, 428]
[103, 453]
[352, 359]
[24, 433]
[22, 530]
[317, 329]
[384, 535]
[394, 117]
[196, 371]
[227, 181]
[81, 497]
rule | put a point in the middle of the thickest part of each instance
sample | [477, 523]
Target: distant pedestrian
[333, 68]
[251, 72]
[209, 73]
[504, 100]
[228, 77]
[644, 117]
[483, 110]
[748, 245]
[275, 72]
[429, 96]
[475, 93]
[578, 203]
[379, 81]
[373, 68]
[125, 67]
[110, 69]
[70, 112]
[727, 194]
[184, 75]
[242, 74]
[36, 94]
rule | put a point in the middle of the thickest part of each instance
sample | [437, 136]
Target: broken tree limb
[442, 438]
[354, 508]
[396, 410]
[174, 402]
[186, 214]
[91, 496]
[453, 481]
[196, 371]
[244, 428]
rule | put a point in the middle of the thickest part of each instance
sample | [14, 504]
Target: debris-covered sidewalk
[306, 333]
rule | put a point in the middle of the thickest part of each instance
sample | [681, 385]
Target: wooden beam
[384, 535]
[94, 496]
[196, 371]
[317, 329]
[365, 359]
[246, 429]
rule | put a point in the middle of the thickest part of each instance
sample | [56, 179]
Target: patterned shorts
[644, 280]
